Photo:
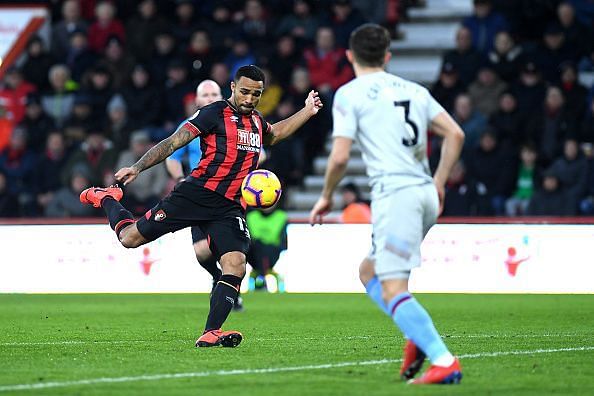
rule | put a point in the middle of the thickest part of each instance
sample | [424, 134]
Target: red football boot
[94, 195]
[413, 361]
[441, 375]
[228, 339]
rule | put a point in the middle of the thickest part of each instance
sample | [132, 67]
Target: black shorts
[220, 220]
[197, 234]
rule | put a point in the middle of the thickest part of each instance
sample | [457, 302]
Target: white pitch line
[357, 337]
[271, 370]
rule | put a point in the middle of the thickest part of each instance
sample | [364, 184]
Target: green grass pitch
[294, 344]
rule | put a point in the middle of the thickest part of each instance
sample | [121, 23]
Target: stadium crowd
[116, 77]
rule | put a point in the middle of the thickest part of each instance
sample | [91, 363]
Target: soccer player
[231, 135]
[389, 117]
[207, 92]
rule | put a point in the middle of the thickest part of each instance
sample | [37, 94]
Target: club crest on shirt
[234, 118]
[248, 141]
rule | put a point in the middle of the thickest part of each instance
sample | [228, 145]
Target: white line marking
[271, 370]
[358, 337]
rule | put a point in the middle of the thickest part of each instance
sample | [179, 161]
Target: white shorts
[401, 219]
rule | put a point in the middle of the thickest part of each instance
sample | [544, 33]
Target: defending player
[231, 133]
[389, 117]
[207, 92]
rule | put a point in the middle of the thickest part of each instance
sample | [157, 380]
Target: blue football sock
[374, 291]
[416, 324]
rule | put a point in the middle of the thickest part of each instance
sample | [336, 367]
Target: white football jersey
[389, 117]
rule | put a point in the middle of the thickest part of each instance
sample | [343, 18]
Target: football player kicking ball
[207, 92]
[232, 133]
[389, 117]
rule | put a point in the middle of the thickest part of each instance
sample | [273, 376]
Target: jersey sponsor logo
[234, 118]
[248, 141]
[160, 215]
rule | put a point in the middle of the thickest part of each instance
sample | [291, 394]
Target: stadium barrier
[545, 256]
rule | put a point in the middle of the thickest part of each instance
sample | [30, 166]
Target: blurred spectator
[550, 199]
[587, 61]
[118, 127]
[80, 121]
[552, 52]
[164, 52]
[142, 98]
[587, 127]
[587, 203]
[460, 193]
[221, 75]
[448, 86]
[505, 57]
[79, 57]
[572, 171]
[58, 102]
[37, 64]
[271, 96]
[66, 202]
[255, 27]
[142, 28]
[526, 179]
[484, 24]
[268, 229]
[493, 183]
[98, 154]
[13, 94]
[18, 164]
[344, 19]
[222, 28]
[327, 64]
[176, 87]
[62, 31]
[485, 91]
[200, 55]
[149, 186]
[105, 26]
[50, 168]
[355, 209]
[551, 125]
[464, 58]
[241, 54]
[185, 22]
[36, 123]
[529, 89]
[283, 60]
[9, 206]
[577, 35]
[98, 88]
[6, 127]
[472, 122]
[508, 121]
[300, 24]
[118, 62]
[575, 93]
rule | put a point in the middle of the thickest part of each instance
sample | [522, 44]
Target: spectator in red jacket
[104, 27]
[13, 94]
[327, 65]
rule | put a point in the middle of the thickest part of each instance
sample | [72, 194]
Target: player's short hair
[369, 43]
[252, 72]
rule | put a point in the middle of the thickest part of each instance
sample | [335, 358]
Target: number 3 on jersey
[406, 105]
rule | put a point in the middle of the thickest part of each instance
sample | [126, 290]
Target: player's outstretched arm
[337, 163]
[156, 154]
[453, 140]
[285, 128]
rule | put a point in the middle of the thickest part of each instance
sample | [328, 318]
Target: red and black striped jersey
[230, 144]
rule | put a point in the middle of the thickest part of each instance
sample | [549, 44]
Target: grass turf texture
[63, 338]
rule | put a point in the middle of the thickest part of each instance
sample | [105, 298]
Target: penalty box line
[271, 370]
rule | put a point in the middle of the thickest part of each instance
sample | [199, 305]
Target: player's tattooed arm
[156, 154]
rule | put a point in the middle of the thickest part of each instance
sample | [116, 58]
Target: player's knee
[393, 287]
[366, 271]
[233, 263]
[129, 240]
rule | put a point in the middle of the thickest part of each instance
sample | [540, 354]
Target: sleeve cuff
[193, 128]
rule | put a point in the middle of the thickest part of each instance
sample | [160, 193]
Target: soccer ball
[261, 189]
